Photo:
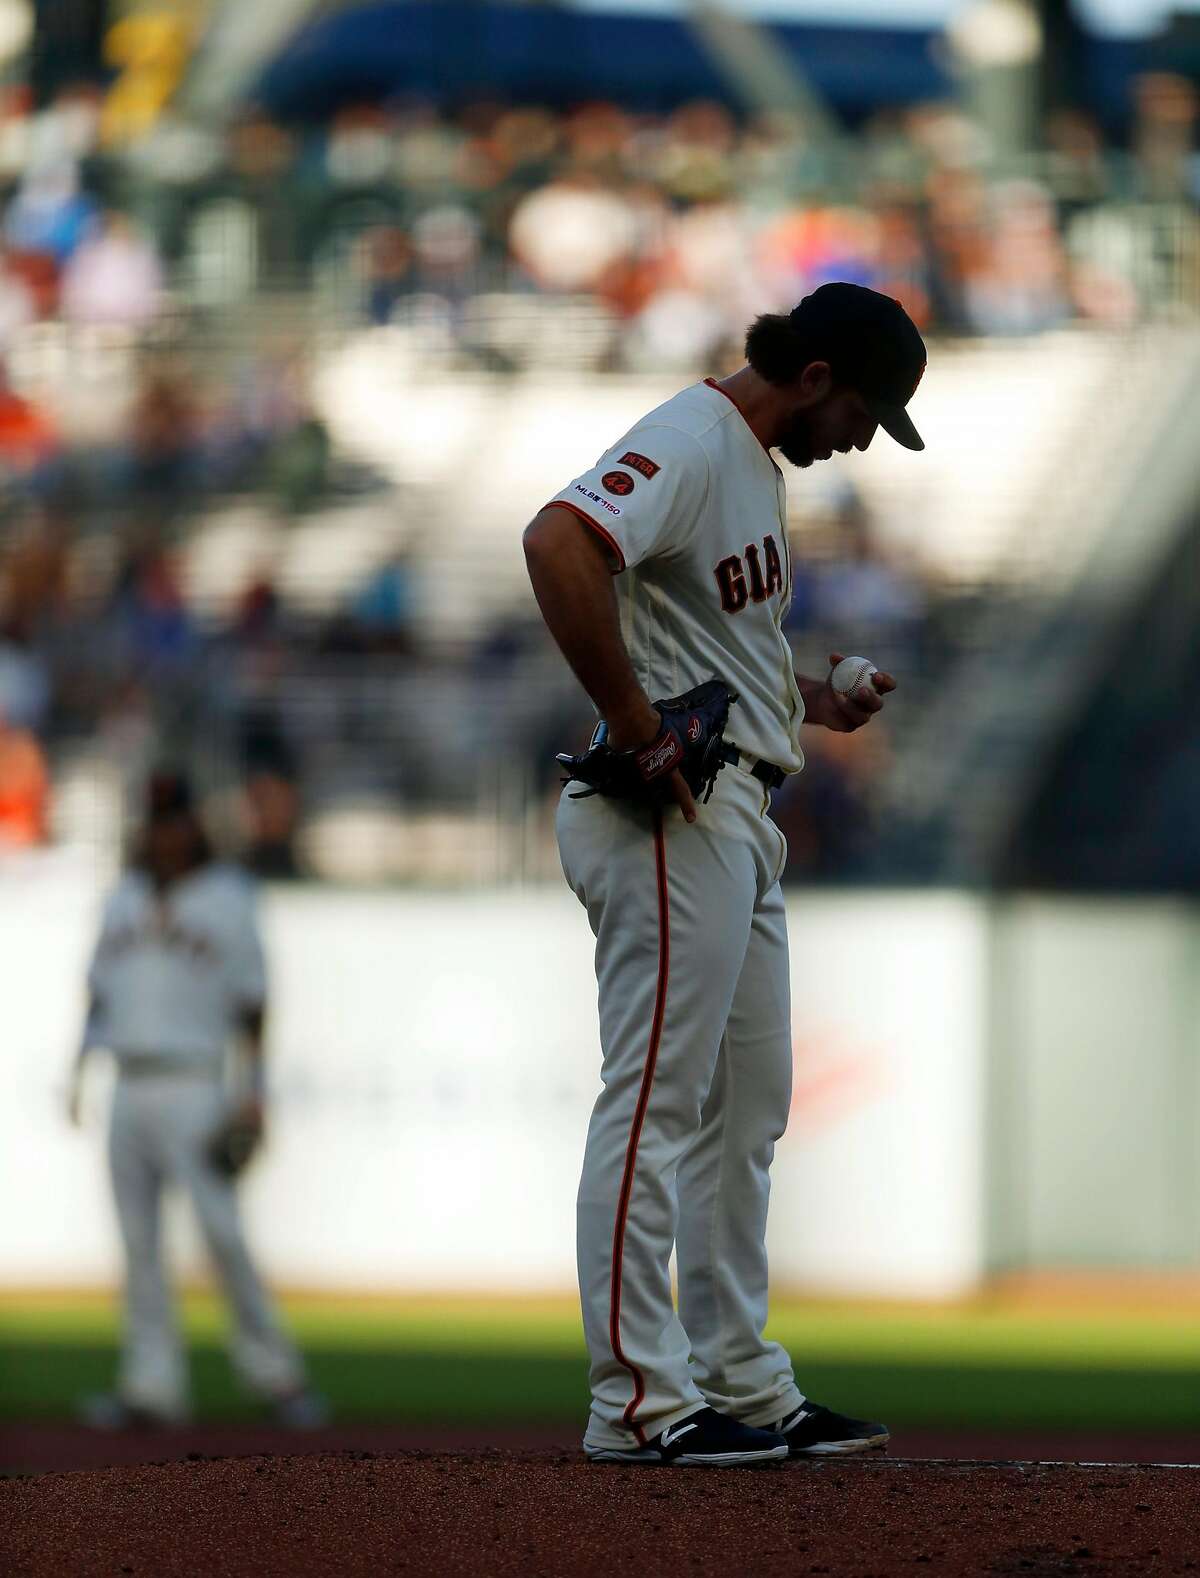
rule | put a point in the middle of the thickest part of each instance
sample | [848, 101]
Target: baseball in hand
[851, 674]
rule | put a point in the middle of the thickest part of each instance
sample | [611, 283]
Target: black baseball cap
[870, 343]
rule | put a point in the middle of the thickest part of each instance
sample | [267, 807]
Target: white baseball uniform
[171, 975]
[691, 940]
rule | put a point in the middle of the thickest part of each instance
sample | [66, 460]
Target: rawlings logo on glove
[662, 755]
[691, 741]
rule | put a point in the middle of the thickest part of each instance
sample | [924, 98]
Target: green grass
[456, 1361]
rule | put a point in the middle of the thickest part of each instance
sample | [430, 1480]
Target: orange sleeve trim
[561, 504]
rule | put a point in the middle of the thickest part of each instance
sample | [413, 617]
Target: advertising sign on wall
[434, 1061]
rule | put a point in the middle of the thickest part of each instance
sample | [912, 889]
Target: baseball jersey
[172, 972]
[694, 508]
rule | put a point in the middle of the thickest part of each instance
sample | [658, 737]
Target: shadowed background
[304, 312]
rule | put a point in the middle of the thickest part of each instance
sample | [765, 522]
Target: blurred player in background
[178, 977]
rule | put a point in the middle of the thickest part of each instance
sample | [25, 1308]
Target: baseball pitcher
[177, 976]
[663, 575]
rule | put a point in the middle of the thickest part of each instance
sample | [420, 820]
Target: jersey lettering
[774, 567]
[741, 583]
[758, 590]
[732, 584]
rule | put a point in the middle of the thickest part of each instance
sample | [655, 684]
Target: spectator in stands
[567, 235]
[382, 611]
[861, 590]
[25, 693]
[49, 215]
[387, 260]
[696, 157]
[446, 250]
[297, 464]
[154, 619]
[428, 150]
[163, 440]
[114, 278]
[68, 128]
[34, 573]
[18, 304]
[266, 398]
[957, 242]
[258, 617]
[802, 246]
[527, 142]
[29, 441]
[1075, 167]
[358, 149]
[1110, 261]
[1021, 288]
[1165, 136]
[261, 153]
[24, 787]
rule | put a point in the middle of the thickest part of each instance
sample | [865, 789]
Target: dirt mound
[54, 1446]
[547, 1513]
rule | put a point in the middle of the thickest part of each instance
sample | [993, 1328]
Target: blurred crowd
[283, 712]
[679, 226]
[682, 227]
[671, 230]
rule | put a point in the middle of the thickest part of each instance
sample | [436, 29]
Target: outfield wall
[435, 1058]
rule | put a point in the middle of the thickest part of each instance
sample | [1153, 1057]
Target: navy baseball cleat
[813, 1431]
[705, 1439]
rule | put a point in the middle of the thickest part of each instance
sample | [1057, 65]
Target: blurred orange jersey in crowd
[24, 789]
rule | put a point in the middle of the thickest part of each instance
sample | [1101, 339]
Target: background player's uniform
[691, 941]
[172, 974]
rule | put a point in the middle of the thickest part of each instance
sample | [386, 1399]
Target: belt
[766, 772]
[153, 1065]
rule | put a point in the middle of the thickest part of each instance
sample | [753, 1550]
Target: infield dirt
[538, 1513]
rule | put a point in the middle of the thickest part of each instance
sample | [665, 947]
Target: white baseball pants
[159, 1128]
[692, 967]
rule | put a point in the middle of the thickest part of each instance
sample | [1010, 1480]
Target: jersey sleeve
[643, 496]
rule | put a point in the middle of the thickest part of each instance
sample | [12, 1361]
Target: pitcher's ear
[816, 381]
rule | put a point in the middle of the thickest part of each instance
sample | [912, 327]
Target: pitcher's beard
[796, 444]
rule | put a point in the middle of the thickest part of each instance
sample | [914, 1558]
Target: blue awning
[455, 52]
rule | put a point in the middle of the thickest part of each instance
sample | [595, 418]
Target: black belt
[766, 772]
[138, 1065]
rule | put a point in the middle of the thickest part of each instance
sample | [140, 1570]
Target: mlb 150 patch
[640, 463]
[605, 504]
[618, 482]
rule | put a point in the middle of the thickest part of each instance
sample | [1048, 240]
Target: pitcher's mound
[550, 1515]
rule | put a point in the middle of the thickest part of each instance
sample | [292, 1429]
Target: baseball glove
[232, 1146]
[691, 739]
